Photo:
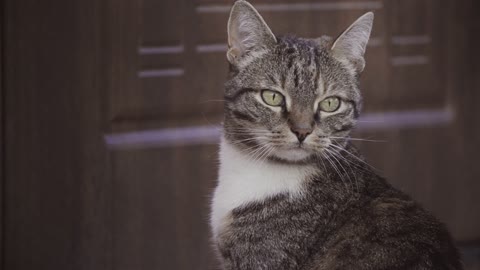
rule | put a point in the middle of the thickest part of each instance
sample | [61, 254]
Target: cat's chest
[242, 181]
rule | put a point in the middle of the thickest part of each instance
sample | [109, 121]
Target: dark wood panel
[163, 22]
[161, 207]
[122, 39]
[2, 126]
[153, 61]
[462, 64]
[414, 72]
[410, 17]
[412, 87]
[57, 189]
[374, 88]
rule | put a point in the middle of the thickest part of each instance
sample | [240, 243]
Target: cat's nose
[301, 132]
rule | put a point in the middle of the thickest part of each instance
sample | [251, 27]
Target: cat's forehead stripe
[303, 66]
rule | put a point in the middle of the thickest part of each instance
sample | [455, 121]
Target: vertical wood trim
[122, 42]
[463, 58]
[2, 123]
[121, 37]
[56, 188]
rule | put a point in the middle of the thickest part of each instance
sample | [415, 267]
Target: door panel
[113, 110]
[406, 104]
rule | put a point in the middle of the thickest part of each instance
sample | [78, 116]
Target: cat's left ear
[247, 32]
[351, 44]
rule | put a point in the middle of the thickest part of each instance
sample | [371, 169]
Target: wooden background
[110, 114]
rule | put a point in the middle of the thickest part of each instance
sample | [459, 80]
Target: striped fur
[292, 192]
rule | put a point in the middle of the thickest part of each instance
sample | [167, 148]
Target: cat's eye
[272, 98]
[330, 104]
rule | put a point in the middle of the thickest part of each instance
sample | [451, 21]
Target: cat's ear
[247, 32]
[351, 44]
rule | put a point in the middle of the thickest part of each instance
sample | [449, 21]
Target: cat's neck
[243, 180]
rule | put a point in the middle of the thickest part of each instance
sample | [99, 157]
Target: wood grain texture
[463, 83]
[2, 126]
[161, 207]
[57, 189]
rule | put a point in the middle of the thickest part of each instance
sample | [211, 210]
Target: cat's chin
[292, 154]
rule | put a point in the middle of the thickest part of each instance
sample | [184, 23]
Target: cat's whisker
[371, 121]
[341, 166]
[354, 156]
[245, 150]
[244, 134]
[357, 139]
[338, 150]
[266, 154]
[347, 162]
[255, 152]
[258, 156]
[323, 163]
[249, 139]
[211, 100]
[248, 132]
[259, 149]
[335, 168]
[250, 151]
[250, 129]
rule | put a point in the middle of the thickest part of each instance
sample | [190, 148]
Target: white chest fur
[242, 181]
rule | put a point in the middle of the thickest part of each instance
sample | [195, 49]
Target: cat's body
[325, 222]
[293, 193]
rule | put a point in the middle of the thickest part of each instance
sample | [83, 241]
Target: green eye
[330, 104]
[272, 98]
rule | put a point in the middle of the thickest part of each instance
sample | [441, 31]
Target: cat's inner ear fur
[247, 32]
[351, 44]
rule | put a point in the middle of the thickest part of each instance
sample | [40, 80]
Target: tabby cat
[293, 193]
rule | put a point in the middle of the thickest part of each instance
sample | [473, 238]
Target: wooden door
[56, 189]
[112, 113]
[169, 115]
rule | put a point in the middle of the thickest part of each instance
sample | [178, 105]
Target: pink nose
[301, 133]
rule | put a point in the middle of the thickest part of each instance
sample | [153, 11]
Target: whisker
[347, 162]
[340, 164]
[356, 139]
[336, 169]
[248, 133]
[323, 163]
[260, 154]
[338, 150]
[250, 150]
[211, 100]
[266, 154]
[354, 156]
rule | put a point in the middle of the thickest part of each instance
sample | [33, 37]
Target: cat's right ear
[247, 32]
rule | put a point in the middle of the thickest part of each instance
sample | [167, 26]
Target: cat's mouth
[294, 153]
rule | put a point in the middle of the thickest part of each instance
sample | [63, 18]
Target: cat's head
[289, 98]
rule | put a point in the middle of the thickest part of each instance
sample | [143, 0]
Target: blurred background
[111, 112]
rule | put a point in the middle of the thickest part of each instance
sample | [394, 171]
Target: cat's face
[288, 99]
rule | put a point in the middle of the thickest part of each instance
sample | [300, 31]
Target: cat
[293, 193]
